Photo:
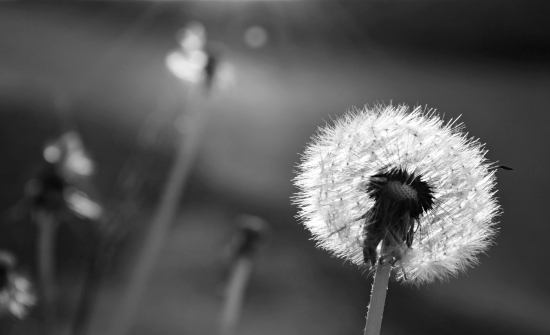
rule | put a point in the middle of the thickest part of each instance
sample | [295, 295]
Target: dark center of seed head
[400, 191]
[400, 199]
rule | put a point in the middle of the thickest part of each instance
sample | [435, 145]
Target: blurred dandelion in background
[17, 294]
[68, 151]
[252, 232]
[197, 60]
[65, 177]
[59, 193]
[387, 186]
[189, 61]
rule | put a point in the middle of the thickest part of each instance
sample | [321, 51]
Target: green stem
[235, 295]
[378, 299]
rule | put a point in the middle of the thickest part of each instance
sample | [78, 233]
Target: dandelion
[69, 154]
[198, 61]
[242, 250]
[392, 189]
[189, 61]
[56, 195]
[16, 290]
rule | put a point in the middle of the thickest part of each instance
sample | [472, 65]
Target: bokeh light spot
[52, 154]
[255, 37]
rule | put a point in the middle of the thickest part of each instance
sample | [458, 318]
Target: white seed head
[339, 164]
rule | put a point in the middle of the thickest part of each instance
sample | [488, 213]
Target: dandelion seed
[403, 178]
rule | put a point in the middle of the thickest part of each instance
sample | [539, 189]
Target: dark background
[101, 65]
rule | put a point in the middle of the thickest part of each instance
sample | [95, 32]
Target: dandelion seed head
[406, 170]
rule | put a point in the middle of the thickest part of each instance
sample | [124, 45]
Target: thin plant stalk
[378, 299]
[154, 239]
[107, 240]
[235, 295]
[90, 290]
[47, 226]
[380, 288]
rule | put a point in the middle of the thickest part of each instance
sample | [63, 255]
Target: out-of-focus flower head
[56, 186]
[68, 153]
[189, 62]
[195, 62]
[389, 185]
[252, 231]
[245, 243]
[17, 294]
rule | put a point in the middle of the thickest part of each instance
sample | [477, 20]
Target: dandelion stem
[378, 299]
[235, 295]
[47, 225]
[164, 216]
[90, 290]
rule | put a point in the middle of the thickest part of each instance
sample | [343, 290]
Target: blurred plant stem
[112, 231]
[154, 238]
[235, 295]
[90, 288]
[47, 227]
[378, 299]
